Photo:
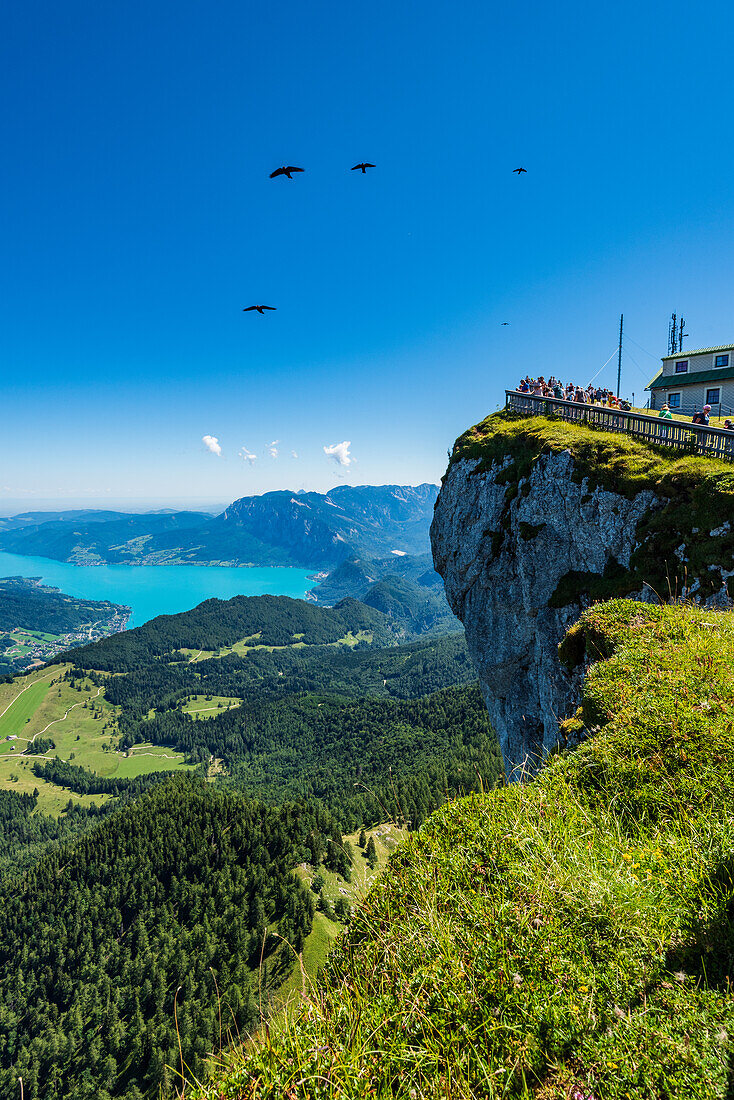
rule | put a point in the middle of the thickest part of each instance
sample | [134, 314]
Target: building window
[712, 397]
[673, 400]
[681, 366]
[721, 361]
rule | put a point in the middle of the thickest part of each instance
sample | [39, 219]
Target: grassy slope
[571, 937]
[676, 548]
[243, 647]
[321, 939]
[33, 705]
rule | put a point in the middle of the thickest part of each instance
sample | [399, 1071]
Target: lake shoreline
[152, 590]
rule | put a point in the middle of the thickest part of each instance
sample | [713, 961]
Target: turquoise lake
[152, 590]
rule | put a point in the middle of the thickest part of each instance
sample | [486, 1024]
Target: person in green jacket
[665, 413]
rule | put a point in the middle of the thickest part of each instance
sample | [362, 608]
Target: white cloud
[340, 453]
[273, 451]
[212, 444]
[274, 443]
[247, 456]
[294, 454]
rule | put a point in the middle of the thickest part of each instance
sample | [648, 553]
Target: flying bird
[519, 170]
[364, 167]
[260, 309]
[285, 171]
[505, 322]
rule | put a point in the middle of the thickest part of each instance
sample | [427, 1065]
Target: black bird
[260, 309]
[505, 322]
[364, 167]
[285, 171]
[519, 170]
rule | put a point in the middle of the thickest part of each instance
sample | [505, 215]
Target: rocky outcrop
[510, 550]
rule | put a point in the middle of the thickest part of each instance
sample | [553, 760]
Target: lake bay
[152, 590]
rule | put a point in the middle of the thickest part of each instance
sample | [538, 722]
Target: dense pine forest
[302, 724]
[216, 623]
[183, 890]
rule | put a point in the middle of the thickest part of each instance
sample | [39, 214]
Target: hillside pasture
[250, 644]
[83, 727]
[208, 706]
[18, 711]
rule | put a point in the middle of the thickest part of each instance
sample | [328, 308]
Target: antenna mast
[619, 360]
[673, 335]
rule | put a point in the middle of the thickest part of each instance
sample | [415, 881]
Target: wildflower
[517, 979]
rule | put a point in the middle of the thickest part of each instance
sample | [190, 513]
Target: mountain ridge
[309, 530]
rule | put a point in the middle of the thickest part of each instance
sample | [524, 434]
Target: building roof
[675, 381]
[698, 351]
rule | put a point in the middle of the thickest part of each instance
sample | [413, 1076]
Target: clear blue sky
[138, 220]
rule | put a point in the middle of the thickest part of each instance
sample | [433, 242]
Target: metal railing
[695, 438]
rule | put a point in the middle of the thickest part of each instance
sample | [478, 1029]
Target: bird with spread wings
[363, 166]
[286, 171]
[260, 309]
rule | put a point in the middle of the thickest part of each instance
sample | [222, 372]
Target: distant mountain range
[311, 530]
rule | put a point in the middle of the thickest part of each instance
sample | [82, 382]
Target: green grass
[203, 706]
[38, 635]
[22, 708]
[246, 645]
[82, 725]
[573, 935]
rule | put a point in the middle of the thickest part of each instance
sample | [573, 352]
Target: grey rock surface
[501, 563]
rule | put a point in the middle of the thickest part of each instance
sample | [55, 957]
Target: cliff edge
[538, 518]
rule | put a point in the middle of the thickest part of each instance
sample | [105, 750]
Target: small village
[25, 649]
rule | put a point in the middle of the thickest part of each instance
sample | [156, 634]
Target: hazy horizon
[10, 507]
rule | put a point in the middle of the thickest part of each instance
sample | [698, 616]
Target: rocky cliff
[534, 521]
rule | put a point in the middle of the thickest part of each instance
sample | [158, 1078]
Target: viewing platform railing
[696, 438]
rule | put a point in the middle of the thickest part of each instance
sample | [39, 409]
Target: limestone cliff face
[502, 550]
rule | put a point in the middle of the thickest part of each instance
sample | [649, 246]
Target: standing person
[702, 417]
[665, 413]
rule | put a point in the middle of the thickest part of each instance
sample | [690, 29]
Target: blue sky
[138, 220]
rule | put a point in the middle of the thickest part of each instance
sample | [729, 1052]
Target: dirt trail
[57, 720]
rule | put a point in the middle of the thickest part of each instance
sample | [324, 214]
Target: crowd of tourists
[596, 395]
[701, 417]
[589, 395]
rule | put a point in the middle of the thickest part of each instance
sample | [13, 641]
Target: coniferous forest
[184, 889]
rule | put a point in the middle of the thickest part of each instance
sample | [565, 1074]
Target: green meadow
[83, 727]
